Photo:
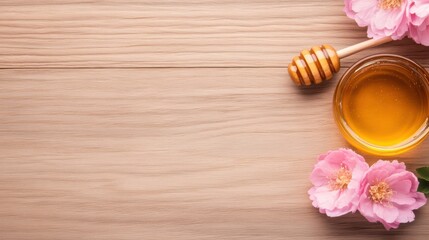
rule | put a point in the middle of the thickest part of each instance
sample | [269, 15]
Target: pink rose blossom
[418, 16]
[389, 194]
[336, 178]
[382, 17]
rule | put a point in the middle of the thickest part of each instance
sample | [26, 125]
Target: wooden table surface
[171, 119]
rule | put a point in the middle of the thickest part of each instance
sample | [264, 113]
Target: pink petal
[363, 5]
[422, 11]
[337, 212]
[403, 199]
[401, 182]
[322, 156]
[389, 226]
[360, 170]
[318, 177]
[388, 214]
[312, 197]
[335, 157]
[354, 183]
[404, 186]
[366, 209]
[393, 166]
[423, 37]
[345, 198]
[387, 19]
[326, 198]
[421, 200]
[405, 216]
[364, 18]
[377, 175]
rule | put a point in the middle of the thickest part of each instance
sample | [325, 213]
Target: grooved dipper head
[314, 66]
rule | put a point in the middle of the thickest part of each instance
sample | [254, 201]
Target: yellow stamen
[380, 192]
[389, 4]
[341, 180]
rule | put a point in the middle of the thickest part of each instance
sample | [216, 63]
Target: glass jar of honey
[381, 104]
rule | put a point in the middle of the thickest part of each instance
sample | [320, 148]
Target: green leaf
[423, 173]
[423, 186]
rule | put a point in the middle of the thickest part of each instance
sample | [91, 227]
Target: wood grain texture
[253, 33]
[171, 120]
[171, 154]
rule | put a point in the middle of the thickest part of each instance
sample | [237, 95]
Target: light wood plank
[168, 154]
[187, 33]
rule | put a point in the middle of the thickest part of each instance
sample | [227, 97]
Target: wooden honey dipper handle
[345, 52]
[320, 63]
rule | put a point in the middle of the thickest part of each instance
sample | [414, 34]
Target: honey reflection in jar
[382, 104]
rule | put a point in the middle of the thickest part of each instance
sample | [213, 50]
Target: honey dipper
[321, 62]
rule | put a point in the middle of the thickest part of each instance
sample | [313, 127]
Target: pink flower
[382, 17]
[336, 178]
[389, 194]
[418, 15]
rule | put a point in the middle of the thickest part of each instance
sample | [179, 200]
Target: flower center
[380, 192]
[389, 4]
[342, 179]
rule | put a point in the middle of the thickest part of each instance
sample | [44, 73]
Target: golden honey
[382, 104]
